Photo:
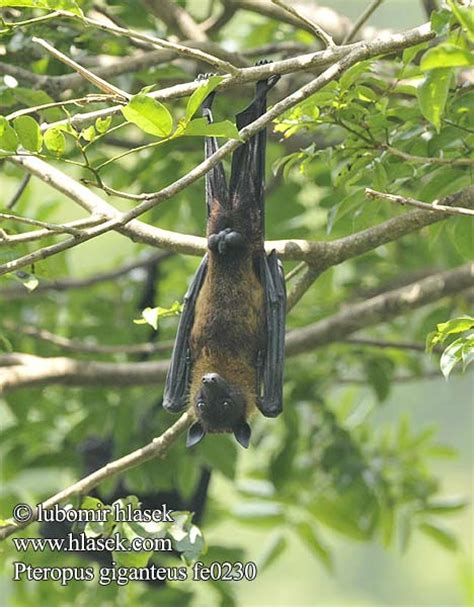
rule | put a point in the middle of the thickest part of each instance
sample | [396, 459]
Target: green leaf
[54, 5]
[149, 115]
[467, 352]
[455, 325]
[411, 52]
[196, 99]
[201, 127]
[433, 94]
[273, 548]
[102, 124]
[464, 15]
[446, 55]
[446, 506]
[192, 545]
[151, 316]
[29, 133]
[451, 356]
[88, 133]
[308, 536]
[443, 536]
[55, 141]
[8, 136]
[440, 21]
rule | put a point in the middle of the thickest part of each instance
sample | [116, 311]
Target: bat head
[219, 407]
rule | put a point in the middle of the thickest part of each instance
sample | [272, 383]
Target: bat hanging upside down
[229, 350]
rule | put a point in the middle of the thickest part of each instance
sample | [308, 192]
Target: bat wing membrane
[271, 391]
[177, 380]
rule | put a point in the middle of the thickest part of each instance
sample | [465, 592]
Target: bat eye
[201, 405]
[226, 404]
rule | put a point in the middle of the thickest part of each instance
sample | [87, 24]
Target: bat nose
[210, 378]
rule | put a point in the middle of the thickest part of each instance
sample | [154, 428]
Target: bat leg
[263, 86]
[271, 400]
[177, 380]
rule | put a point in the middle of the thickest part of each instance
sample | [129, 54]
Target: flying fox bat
[229, 350]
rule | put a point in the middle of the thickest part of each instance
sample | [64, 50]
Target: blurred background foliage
[359, 493]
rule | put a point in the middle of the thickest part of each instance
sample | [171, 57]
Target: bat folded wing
[271, 400]
[177, 380]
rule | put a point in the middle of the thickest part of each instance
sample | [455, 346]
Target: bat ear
[195, 434]
[242, 434]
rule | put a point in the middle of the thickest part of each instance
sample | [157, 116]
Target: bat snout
[210, 378]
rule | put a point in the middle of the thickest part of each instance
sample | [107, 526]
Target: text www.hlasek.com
[114, 543]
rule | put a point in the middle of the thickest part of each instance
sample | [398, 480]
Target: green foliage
[329, 466]
[151, 316]
[54, 5]
[459, 350]
[149, 115]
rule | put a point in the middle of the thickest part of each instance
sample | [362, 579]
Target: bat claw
[263, 86]
[224, 240]
[205, 76]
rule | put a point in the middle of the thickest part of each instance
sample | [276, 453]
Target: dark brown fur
[229, 325]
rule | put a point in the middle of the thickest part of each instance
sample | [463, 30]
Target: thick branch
[23, 370]
[388, 44]
[379, 309]
[157, 448]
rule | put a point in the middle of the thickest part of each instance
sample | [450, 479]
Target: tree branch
[435, 207]
[363, 18]
[312, 25]
[75, 345]
[66, 284]
[23, 370]
[71, 227]
[19, 370]
[309, 61]
[100, 83]
[427, 159]
[119, 220]
[337, 25]
[382, 308]
[158, 447]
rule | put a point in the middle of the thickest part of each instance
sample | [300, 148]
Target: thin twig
[325, 38]
[75, 345]
[46, 106]
[100, 83]
[78, 224]
[301, 286]
[21, 188]
[180, 49]
[158, 447]
[363, 18]
[52, 227]
[405, 200]
[66, 284]
[428, 159]
[397, 345]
